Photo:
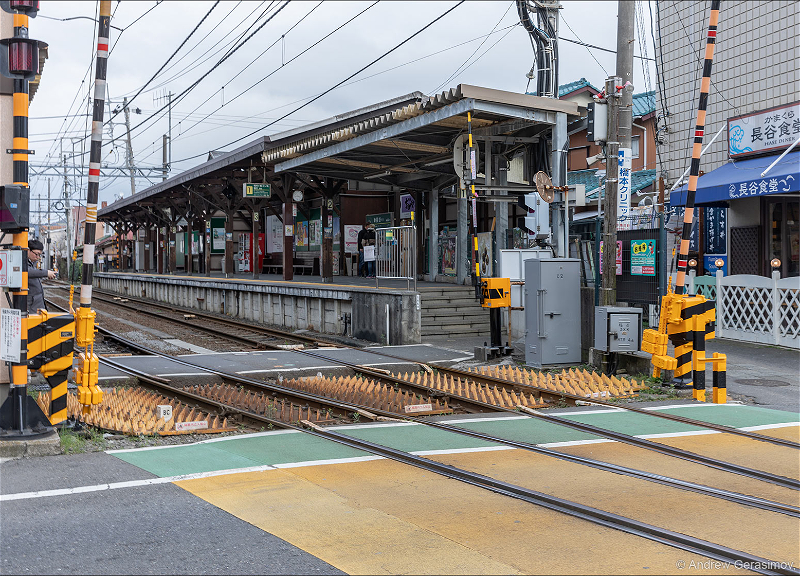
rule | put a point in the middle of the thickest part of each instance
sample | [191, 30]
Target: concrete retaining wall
[283, 304]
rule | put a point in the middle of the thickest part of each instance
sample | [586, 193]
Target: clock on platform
[297, 195]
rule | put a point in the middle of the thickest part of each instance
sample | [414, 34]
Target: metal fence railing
[396, 254]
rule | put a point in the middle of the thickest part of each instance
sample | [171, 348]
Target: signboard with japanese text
[407, 205]
[383, 220]
[710, 264]
[257, 190]
[10, 334]
[763, 131]
[643, 257]
[274, 229]
[618, 260]
[715, 230]
[625, 166]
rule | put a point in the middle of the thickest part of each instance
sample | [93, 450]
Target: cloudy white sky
[477, 43]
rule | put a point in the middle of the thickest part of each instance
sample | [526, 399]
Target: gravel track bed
[148, 330]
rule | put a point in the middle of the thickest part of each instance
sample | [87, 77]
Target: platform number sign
[257, 190]
[407, 205]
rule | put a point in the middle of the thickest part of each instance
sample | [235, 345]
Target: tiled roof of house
[565, 89]
[641, 179]
[644, 104]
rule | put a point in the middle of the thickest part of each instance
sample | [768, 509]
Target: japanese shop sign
[764, 131]
[643, 257]
[624, 189]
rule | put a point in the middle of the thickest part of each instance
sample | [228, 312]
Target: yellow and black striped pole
[86, 375]
[694, 173]
[473, 170]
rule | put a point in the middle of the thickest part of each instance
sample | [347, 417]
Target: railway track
[463, 403]
[264, 395]
[339, 410]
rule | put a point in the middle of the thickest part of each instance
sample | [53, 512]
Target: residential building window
[635, 146]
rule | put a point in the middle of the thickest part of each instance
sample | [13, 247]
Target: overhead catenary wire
[340, 83]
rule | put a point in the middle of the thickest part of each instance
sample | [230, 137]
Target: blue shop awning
[742, 179]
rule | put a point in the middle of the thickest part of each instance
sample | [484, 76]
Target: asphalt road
[764, 375]
[141, 530]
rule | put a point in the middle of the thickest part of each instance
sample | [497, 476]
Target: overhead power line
[338, 84]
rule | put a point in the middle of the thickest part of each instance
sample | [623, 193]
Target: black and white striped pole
[86, 374]
[694, 173]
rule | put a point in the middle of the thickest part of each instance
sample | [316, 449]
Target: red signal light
[25, 5]
[22, 58]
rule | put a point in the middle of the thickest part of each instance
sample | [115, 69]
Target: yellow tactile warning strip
[382, 517]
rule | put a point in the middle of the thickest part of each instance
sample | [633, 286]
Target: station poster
[274, 229]
[643, 257]
[485, 253]
[351, 238]
[301, 235]
[447, 251]
[618, 263]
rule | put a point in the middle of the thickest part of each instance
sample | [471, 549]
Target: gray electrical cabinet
[552, 312]
[617, 329]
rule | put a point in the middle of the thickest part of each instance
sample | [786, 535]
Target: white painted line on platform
[308, 463]
[128, 484]
[768, 426]
[461, 451]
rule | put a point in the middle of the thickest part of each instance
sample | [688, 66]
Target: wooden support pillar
[188, 260]
[288, 236]
[207, 245]
[326, 249]
[254, 264]
[228, 268]
[172, 246]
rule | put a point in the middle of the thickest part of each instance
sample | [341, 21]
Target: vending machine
[247, 256]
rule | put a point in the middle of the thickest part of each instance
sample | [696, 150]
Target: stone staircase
[452, 312]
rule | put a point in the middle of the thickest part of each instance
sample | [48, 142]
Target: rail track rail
[341, 410]
[468, 404]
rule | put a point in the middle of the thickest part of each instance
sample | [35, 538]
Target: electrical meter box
[10, 268]
[617, 329]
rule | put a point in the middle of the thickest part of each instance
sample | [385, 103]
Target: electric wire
[457, 70]
[182, 44]
[338, 84]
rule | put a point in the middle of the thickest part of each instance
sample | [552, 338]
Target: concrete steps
[452, 312]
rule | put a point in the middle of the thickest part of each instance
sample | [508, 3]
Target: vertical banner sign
[10, 334]
[624, 189]
[617, 259]
[643, 257]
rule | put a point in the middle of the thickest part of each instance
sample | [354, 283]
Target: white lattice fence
[788, 320]
[758, 309]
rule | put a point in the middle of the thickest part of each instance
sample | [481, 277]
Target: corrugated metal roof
[570, 87]
[644, 103]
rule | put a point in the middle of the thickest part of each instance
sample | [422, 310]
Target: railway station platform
[286, 502]
[391, 312]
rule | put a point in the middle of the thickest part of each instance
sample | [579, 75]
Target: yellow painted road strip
[759, 532]
[388, 518]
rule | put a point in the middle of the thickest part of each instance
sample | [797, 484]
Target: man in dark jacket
[35, 292]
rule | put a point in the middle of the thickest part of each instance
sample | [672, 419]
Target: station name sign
[257, 190]
[765, 131]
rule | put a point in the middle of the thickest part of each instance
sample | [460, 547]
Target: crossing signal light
[29, 7]
[19, 57]
[537, 222]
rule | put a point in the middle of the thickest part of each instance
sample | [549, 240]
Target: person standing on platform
[361, 234]
[35, 275]
[369, 240]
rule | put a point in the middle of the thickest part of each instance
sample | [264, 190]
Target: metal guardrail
[396, 254]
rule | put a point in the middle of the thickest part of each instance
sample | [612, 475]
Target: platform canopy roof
[406, 142]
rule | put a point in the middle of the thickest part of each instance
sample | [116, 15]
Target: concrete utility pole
[164, 157]
[67, 234]
[47, 260]
[619, 137]
[129, 151]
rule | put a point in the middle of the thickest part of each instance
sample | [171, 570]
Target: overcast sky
[477, 43]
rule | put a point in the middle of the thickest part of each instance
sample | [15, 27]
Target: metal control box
[617, 329]
[10, 268]
[552, 312]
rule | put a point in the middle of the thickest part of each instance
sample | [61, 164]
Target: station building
[287, 209]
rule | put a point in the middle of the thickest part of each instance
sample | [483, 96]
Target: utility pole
[619, 92]
[67, 234]
[129, 152]
[164, 157]
[168, 137]
[48, 261]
